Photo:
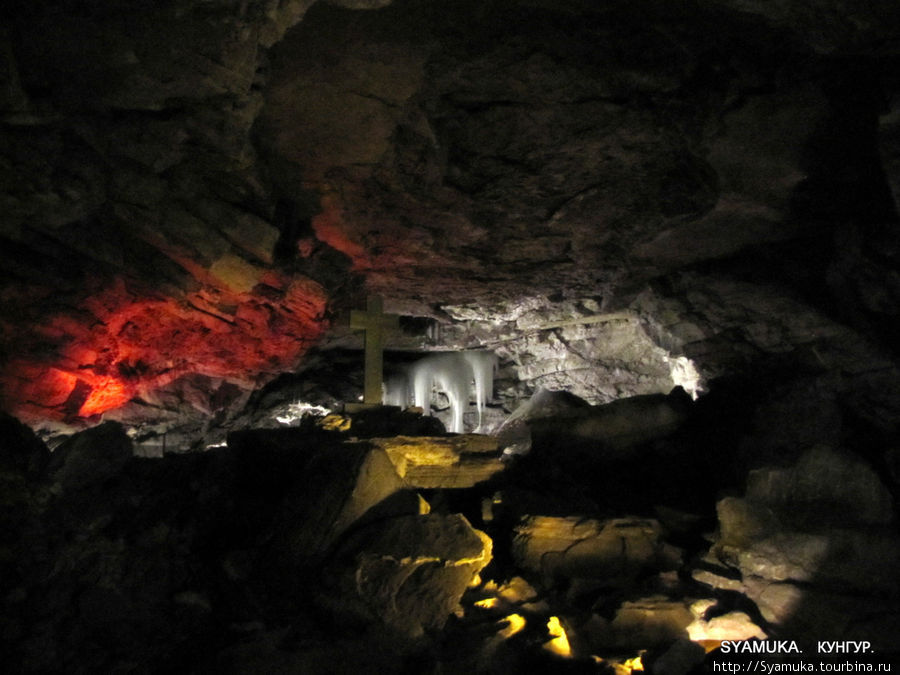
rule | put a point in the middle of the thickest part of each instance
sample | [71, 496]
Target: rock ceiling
[201, 188]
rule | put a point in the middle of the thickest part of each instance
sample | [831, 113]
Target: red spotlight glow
[116, 346]
[106, 394]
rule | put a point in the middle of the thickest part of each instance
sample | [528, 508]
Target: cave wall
[615, 198]
[138, 234]
[193, 191]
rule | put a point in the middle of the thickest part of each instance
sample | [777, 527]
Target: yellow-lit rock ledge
[459, 461]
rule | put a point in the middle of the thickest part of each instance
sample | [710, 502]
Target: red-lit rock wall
[138, 231]
[117, 344]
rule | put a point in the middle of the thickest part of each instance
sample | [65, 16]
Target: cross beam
[376, 324]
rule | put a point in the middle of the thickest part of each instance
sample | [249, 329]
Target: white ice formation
[454, 374]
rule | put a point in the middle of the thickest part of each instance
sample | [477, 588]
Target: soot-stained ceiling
[200, 189]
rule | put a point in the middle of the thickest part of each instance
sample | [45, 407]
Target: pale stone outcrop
[733, 625]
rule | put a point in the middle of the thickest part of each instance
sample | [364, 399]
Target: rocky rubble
[815, 546]
[411, 572]
[303, 546]
[120, 562]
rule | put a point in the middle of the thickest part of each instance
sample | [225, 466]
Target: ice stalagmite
[482, 365]
[396, 390]
[452, 373]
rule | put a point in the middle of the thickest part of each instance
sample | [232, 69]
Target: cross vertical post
[376, 324]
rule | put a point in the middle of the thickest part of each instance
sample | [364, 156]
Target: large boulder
[460, 461]
[90, 458]
[762, 546]
[515, 436]
[814, 547]
[324, 488]
[733, 625]
[614, 551]
[613, 431]
[410, 572]
[649, 622]
[21, 451]
[825, 520]
[824, 482]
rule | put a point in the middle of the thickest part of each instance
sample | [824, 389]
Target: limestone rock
[683, 657]
[515, 436]
[712, 572]
[825, 520]
[443, 461]
[813, 544]
[21, 451]
[91, 457]
[650, 622]
[727, 323]
[741, 523]
[411, 571]
[613, 430]
[813, 610]
[331, 486]
[824, 483]
[571, 345]
[458, 169]
[733, 625]
[386, 420]
[612, 551]
[837, 558]
[517, 591]
[754, 195]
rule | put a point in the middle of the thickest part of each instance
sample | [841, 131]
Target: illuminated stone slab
[411, 571]
[614, 550]
[443, 461]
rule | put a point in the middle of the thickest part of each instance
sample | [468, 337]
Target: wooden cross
[376, 323]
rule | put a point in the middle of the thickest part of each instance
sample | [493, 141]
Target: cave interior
[632, 272]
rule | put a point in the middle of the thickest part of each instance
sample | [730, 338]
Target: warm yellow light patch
[425, 509]
[235, 273]
[517, 591]
[634, 664]
[559, 645]
[627, 667]
[515, 623]
[709, 645]
[335, 423]
[487, 603]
